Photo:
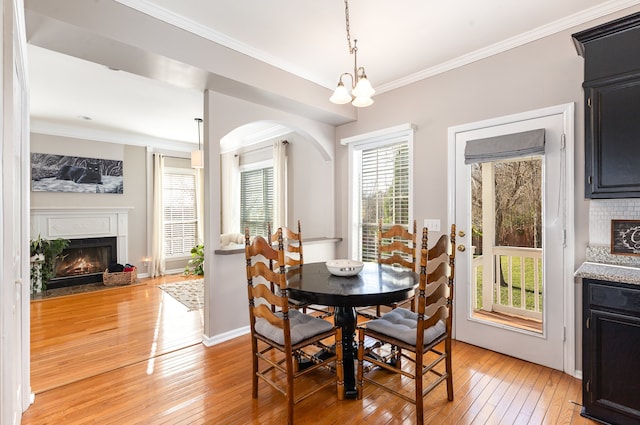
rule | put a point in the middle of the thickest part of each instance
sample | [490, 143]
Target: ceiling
[398, 43]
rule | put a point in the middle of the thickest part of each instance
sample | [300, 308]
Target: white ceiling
[398, 42]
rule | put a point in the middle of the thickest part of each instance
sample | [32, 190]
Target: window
[180, 211]
[256, 200]
[381, 183]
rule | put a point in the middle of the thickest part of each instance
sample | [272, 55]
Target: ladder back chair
[279, 340]
[426, 333]
[397, 246]
[294, 257]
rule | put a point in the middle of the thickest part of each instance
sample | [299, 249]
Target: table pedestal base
[345, 317]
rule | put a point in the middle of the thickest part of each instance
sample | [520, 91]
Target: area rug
[188, 292]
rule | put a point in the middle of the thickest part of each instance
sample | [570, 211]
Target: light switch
[432, 224]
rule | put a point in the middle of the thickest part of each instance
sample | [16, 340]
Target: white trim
[258, 165]
[373, 140]
[83, 222]
[567, 110]
[165, 15]
[211, 34]
[210, 341]
[512, 43]
[380, 135]
[77, 132]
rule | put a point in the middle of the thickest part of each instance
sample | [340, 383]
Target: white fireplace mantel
[83, 222]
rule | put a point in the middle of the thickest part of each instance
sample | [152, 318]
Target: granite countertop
[603, 265]
[609, 272]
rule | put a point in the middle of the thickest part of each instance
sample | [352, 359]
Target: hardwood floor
[133, 355]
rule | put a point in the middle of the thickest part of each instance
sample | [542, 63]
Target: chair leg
[449, 369]
[419, 388]
[290, 395]
[254, 378]
[360, 374]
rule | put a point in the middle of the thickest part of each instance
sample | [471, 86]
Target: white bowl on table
[344, 267]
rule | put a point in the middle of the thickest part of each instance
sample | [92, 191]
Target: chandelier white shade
[197, 157]
[360, 91]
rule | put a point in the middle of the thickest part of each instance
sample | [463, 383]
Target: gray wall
[543, 73]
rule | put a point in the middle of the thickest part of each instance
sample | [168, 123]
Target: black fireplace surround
[84, 261]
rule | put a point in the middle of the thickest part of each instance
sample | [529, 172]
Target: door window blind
[516, 145]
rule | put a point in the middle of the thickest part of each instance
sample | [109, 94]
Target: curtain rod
[284, 142]
[171, 156]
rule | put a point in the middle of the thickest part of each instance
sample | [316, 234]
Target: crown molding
[546, 30]
[151, 9]
[62, 130]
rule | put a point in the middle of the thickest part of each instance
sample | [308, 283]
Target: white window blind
[180, 212]
[256, 200]
[384, 188]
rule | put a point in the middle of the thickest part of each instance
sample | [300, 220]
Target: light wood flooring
[133, 355]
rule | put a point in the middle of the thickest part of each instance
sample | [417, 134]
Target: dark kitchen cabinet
[611, 352]
[612, 107]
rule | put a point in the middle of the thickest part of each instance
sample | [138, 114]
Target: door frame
[567, 110]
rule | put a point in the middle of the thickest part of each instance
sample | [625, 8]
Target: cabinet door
[612, 151]
[612, 384]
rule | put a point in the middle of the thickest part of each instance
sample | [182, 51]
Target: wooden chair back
[264, 301]
[397, 245]
[292, 245]
[435, 292]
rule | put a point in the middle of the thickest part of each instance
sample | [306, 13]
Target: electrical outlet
[432, 224]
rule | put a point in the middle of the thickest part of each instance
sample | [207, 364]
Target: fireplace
[83, 261]
[97, 236]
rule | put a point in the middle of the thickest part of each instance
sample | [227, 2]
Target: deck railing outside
[516, 286]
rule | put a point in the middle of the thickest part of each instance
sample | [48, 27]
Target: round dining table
[375, 284]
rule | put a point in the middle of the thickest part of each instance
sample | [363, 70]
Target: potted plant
[196, 263]
[45, 255]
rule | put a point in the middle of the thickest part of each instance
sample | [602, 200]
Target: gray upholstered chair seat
[302, 325]
[402, 323]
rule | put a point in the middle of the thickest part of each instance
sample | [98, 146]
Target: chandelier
[361, 89]
[197, 157]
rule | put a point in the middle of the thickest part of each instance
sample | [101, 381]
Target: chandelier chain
[346, 14]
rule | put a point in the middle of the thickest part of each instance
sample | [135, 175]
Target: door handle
[462, 234]
[462, 248]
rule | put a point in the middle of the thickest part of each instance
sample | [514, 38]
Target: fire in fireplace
[83, 261]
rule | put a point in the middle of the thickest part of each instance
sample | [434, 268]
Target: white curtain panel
[280, 184]
[157, 237]
[200, 204]
[230, 176]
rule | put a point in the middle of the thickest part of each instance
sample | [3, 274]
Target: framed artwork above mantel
[62, 173]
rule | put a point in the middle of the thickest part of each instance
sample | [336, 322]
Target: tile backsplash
[601, 212]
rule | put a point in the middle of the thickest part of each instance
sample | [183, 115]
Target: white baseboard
[210, 341]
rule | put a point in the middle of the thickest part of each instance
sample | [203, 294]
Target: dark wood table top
[375, 284]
